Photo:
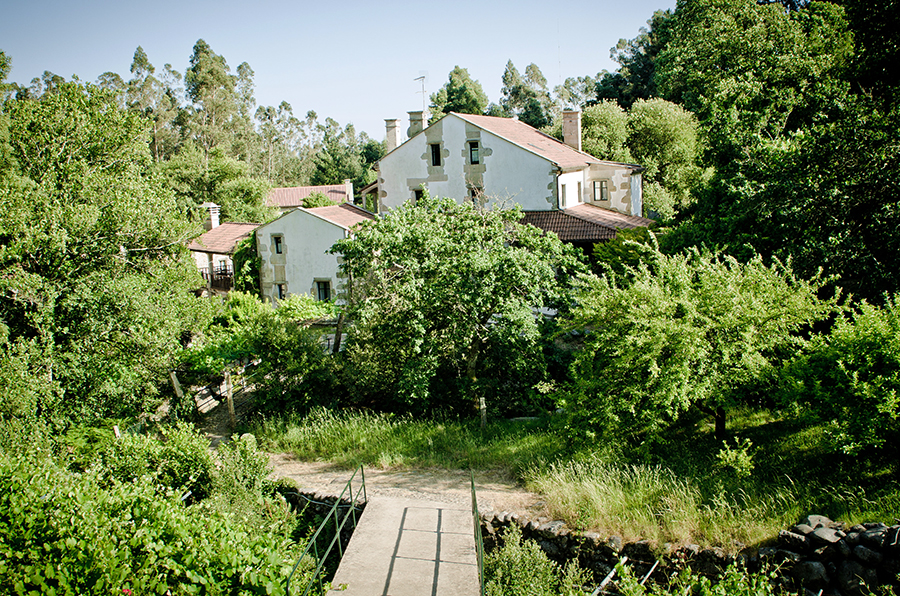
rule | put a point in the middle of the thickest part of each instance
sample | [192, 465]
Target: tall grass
[639, 501]
[349, 439]
[680, 491]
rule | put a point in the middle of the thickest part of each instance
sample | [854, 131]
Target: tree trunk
[471, 367]
[719, 417]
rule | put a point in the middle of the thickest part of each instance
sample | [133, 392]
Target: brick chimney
[348, 186]
[572, 128]
[392, 128]
[416, 123]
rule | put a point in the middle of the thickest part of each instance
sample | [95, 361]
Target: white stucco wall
[506, 172]
[303, 262]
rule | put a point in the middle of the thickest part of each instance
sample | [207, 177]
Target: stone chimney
[572, 128]
[416, 123]
[213, 221]
[393, 134]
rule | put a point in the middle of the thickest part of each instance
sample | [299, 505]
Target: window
[418, 195]
[278, 241]
[601, 190]
[474, 157]
[281, 291]
[475, 194]
[580, 196]
[323, 289]
[562, 196]
[435, 154]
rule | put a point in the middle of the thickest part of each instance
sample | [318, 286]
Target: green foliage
[246, 266]
[286, 353]
[662, 137]
[459, 94]
[242, 469]
[180, 462]
[690, 330]
[738, 459]
[736, 581]
[526, 98]
[850, 378]
[520, 568]
[94, 279]
[435, 286]
[624, 253]
[318, 199]
[635, 79]
[90, 533]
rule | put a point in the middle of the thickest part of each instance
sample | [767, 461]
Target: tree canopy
[93, 265]
[459, 94]
[433, 287]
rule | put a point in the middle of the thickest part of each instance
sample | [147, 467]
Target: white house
[467, 157]
[293, 250]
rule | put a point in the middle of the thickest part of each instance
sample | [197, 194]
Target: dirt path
[448, 486]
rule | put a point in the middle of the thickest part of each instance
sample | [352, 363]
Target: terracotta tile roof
[533, 140]
[345, 215]
[584, 223]
[290, 198]
[222, 239]
[608, 217]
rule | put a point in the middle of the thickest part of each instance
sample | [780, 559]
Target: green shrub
[82, 533]
[850, 378]
[178, 460]
[242, 468]
[520, 568]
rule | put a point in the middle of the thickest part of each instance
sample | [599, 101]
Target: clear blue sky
[352, 61]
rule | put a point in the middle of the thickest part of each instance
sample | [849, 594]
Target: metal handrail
[479, 543]
[312, 547]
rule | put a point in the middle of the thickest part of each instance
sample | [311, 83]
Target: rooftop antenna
[421, 78]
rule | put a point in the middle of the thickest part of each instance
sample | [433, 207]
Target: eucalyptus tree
[526, 97]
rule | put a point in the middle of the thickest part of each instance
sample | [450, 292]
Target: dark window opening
[323, 289]
[601, 190]
[418, 194]
[435, 154]
[474, 157]
[281, 291]
[279, 244]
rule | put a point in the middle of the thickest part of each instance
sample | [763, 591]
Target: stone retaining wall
[816, 554]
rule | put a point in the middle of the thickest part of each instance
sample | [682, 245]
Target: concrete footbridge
[410, 547]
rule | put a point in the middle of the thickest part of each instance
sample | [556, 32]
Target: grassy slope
[676, 492]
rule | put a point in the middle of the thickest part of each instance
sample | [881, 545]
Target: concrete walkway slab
[407, 547]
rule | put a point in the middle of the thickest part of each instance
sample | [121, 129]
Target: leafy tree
[850, 377]
[687, 331]
[662, 137]
[459, 94]
[344, 156]
[604, 132]
[93, 265]
[433, 287]
[526, 97]
[157, 101]
[636, 76]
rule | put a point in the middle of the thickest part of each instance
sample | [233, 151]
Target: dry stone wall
[817, 554]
